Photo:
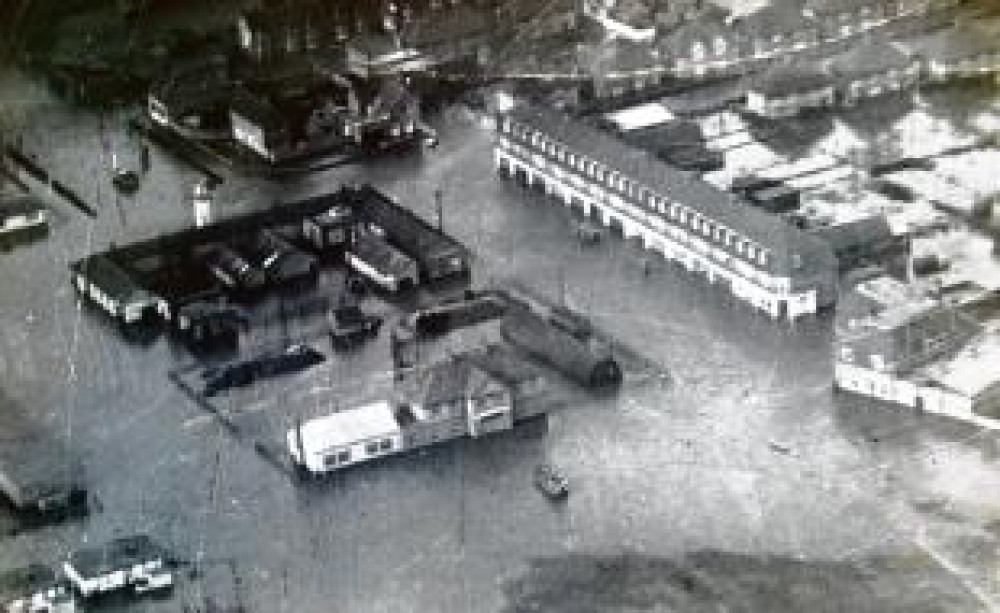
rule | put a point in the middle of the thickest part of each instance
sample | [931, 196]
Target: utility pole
[439, 208]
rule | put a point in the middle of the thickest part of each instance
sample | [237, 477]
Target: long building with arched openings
[762, 260]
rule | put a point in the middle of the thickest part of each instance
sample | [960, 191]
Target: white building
[760, 259]
[349, 437]
[909, 350]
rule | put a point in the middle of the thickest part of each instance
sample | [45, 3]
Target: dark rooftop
[117, 554]
[787, 79]
[869, 58]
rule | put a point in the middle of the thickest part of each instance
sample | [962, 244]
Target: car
[272, 363]
[351, 326]
[126, 181]
[551, 482]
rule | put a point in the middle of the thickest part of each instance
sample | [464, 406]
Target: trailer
[382, 264]
[99, 279]
[133, 562]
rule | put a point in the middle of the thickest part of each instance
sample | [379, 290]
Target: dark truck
[271, 363]
[350, 326]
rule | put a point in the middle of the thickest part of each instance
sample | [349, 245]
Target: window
[371, 448]
[385, 445]
[344, 456]
[330, 461]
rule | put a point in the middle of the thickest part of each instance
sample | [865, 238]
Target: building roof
[787, 79]
[858, 233]
[869, 58]
[350, 426]
[973, 370]
[112, 279]
[19, 206]
[790, 248]
[952, 45]
[117, 554]
[640, 116]
[445, 382]
[258, 110]
[34, 463]
[838, 7]
[379, 254]
[784, 18]
[702, 29]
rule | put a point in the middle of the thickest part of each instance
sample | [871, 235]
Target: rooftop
[869, 57]
[787, 79]
[952, 45]
[640, 116]
[351, 426]
[971, 371]
[115, 555]
[783, 241]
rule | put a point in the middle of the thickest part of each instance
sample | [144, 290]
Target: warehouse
[761, 259]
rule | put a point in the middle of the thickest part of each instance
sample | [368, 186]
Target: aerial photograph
[499, 306]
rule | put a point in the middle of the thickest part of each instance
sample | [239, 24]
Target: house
[840, 18]
[957, 53]
[872, 68]
[701, 46]
[784, 90]
[758, 257]
[134, 562]
[776, 28]
[275, 30]
[619, 69]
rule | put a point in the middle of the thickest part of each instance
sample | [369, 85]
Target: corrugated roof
[783, 241]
